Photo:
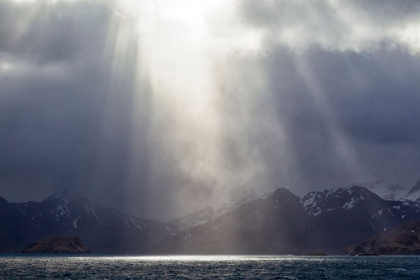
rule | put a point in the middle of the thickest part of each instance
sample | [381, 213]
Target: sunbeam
[183, 103]
[176, 54]
[341, 146]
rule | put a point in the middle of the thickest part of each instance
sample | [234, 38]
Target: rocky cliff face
[57, 245]
[400, 240]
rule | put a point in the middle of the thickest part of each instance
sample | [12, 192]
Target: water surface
[208, 267]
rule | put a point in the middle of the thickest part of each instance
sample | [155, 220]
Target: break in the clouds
[160, 107]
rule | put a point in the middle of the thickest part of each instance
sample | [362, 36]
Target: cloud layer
[175, 110]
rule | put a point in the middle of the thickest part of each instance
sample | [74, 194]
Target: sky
[162, 107]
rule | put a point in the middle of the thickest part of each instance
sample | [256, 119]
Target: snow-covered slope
[350, 214]
[343, 199]
[355, 199]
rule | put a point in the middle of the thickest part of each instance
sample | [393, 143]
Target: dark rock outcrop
[400, 240]
[69, 244]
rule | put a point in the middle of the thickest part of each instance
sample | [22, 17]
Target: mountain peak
[283, 192]
[66, 196]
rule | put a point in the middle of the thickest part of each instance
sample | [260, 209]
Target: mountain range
[105, 230]
[275, 223]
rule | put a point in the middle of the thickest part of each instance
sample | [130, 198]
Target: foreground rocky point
[401, 240]
[69, 244]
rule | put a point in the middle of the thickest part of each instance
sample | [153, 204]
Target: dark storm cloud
[376, 104]
[343, 76]
[62, 126]
[346, 116]
[319, 105]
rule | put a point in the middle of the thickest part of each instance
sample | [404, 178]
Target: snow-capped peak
[347, 199]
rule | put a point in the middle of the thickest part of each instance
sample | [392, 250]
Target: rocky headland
[68, 244]
[403, 239]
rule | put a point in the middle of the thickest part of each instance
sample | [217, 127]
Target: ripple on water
[209, 267]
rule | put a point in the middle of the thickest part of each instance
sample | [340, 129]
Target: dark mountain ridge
[283, 223]
[105, 230]
[280, 223]
[346, 216]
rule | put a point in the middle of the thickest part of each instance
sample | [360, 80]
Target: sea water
[208, 267]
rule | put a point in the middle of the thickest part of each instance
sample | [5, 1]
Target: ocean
[209, 267]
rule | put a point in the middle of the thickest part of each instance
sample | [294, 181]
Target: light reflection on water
[208, 267]
[201, 258]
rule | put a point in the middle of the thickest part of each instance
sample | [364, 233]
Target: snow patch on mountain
[343, 199]
[75, 222]
[350, 204]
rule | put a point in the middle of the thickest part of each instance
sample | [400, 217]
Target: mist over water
[161, 108]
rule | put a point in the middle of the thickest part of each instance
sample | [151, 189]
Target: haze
[161, 107]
